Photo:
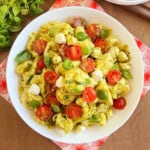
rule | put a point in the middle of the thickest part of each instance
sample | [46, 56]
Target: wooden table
[134, 135]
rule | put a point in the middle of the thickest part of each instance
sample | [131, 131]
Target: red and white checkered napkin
[145, 53]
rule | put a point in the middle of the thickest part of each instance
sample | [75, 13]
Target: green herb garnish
[48, 61]
[11, 16]
[67, 64]
[102, 94]
[34, 104]
[55, 108]
[126, 74]
[23, 56]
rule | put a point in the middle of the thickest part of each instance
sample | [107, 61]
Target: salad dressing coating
[79, 70]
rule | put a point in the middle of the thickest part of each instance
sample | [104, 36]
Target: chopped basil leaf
[126, 74]
[55, 108]
[23, 56]
[86, 50]
[115, 67]
[104, 33]
[34, 104]
[67, 64]
[94, 118]
[102, 94]
[81, 36]
[48, 61]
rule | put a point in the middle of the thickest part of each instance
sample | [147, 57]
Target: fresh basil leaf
[3, 12]
[94, 118]
[102, 94]
[35, 9]
[48, 61]
[16, 9]
[126, 74]
[81, 36]
[5, 41]
[23, 56]
[24, 11]
[67, 64]
[86, 50]
[104, 33]
[33, 104]
[55, 108]
[39, 1]
[15, 28]
[115, 67]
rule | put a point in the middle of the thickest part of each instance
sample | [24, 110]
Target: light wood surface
[134, 135]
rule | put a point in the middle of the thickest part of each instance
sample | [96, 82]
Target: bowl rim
[9, 80]
[127, 2]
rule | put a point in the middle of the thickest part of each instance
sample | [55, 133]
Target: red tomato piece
[51, 99]
[74, 52]
[89, 95]
[119, 103]
[92, 30]
[40, 64]
[88, 65]
[39, 46]
[50, 77]
[73, 111]
[50, 89]
[113, 77]
[102, 44]
[43, 112]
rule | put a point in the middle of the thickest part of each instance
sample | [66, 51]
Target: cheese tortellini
[71, 72]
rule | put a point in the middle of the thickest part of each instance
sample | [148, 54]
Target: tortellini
[64, 72]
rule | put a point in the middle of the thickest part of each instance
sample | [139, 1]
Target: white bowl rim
[127, 2]
[9, 80]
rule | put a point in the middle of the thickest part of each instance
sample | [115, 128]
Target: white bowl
[119, 117]
[127, 2]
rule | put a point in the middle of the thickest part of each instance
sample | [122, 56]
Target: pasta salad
[73, 73]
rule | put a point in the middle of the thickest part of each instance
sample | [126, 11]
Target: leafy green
[23, 56]
[11, 16]
[102, 94]
[104, 33]
[67, 64]
[94, 118]
[48, 61]
[126, 74]
[34, 104]
[86, 50]
[55, 108]
[81, 36]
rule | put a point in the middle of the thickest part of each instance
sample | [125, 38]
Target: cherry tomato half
[88, 65]
[74, 52]
[50, 77]
[119, 103]
[40, 64]
[39, 46]
[92, 30]
[51, 99]
[89, 95]
[73, 111]
[43, 112]
[102, 44]
[113, 77]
